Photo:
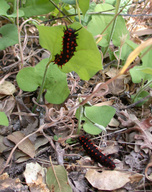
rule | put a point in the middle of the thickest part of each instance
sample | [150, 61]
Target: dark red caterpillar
[69, 46]
[95, 153]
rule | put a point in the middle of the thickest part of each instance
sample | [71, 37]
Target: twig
[13, 150]
[55, 174]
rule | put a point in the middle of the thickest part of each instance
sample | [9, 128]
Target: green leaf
[84, 19]
[122, 3]
[4, 7]
[99, 115]
[127, 48]
[30, 78]
[84, 5]
[140, 96]
[146, 70]
[51, 38]
[38, 7]
[138, 74]
[57, 180]
[100, 22]
[111, 2]
[86, 61]
[90, 128]
[9, 36]
[14, 14]
[3, 119]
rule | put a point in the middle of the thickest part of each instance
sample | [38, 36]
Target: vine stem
[79, 116]
[113, 26]
[78, 10]
[42, 86]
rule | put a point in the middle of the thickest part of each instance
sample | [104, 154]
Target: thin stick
[19, 37]
[55, 174]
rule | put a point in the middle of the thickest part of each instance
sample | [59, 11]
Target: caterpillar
[94, 152]
[69, 46]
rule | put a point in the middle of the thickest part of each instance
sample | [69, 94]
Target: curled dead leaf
[107, 180]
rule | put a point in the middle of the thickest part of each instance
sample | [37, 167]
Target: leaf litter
[132, 160]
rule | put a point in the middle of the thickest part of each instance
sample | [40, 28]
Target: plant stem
[80, 116]
[60, 10]
[115, 16]
[78, 10]
[42, 86]
[19, 36]
[113, 26]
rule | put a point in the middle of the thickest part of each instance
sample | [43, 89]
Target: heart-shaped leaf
[30, 78]
[86, 60]
[9, 36]
[97, 115]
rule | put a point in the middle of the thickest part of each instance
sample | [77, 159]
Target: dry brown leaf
[107, 180]
[40, 141]
[2, 146]
[32, 171]
[111, 148]
[1, 163]
[35, 177]
[135, 178]
[114, 122]
[117, 86]
[4, 176]
[7, 88]
[20, 157]
[143, 32]
[109, 103]
[112, 72]
[9, 184]
[26, 146]
[85, 161]
[8, 105]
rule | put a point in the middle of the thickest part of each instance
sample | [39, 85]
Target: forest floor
[128, 139]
